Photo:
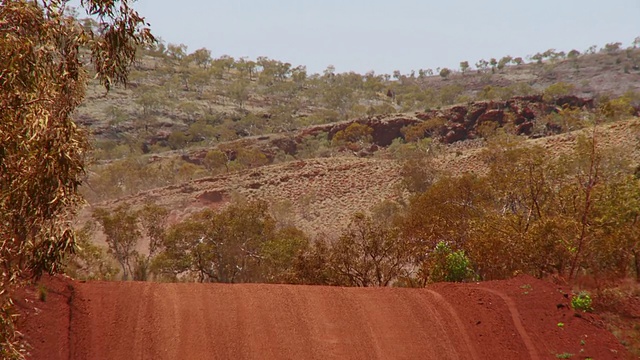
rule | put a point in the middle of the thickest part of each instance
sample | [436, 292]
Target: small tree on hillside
[153, 219]
[353, 136]
[216, 159]
[482, 65]
[444, 73]
[122, 235]
[218, 247]
[176, 53]
[369, 254]
[251, 158]
[90, 261]
[504, 61]
[464, 67]
[338, 97]
[494, 63]
[201, 57]
[239, 92]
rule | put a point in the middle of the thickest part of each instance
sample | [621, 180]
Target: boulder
[455, 132]
[525, 128]
[492, 115]
[456, 114]
[286, 144]
[428, 115]
[574, 101]
[475, 111]
[385, 131]
[527, 113]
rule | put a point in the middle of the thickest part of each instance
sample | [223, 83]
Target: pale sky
[363, 35]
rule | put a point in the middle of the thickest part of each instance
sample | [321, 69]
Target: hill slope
[320, 195]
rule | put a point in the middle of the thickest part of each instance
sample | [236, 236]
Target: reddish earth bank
[521, 318]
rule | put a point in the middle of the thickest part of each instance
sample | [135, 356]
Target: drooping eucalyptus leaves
[43, 54]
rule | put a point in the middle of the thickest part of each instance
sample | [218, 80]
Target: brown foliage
[41, 150]
[427, 128]
[535, 214]
[369, 254]
[238, 244]
[123, 233]
[354, 136]
[418, 174]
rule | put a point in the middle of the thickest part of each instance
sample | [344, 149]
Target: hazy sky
[383, 36]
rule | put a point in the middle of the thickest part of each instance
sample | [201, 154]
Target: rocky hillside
[320, 195]
[530, 116]
[319, 148]
[176, 102]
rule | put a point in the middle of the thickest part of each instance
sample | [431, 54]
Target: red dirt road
[514, 319]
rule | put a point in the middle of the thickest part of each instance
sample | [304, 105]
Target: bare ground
[513, 319]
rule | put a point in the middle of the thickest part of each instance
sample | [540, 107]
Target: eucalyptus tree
[43, 52]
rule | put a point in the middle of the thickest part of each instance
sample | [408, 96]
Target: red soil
[513, 319]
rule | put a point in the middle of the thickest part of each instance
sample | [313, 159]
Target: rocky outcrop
[574, 101]
[456, 132]
[287, 144]
[462, 122]
[385, 129]
[459, 123]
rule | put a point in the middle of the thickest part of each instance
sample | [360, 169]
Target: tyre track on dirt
[515, 316]
[129, 320]
[447, 332]
[272, 324]
[440, 300]
[257, 321]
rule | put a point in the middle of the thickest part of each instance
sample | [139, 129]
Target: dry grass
[322, 193]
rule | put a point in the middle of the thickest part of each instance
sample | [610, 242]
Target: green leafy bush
[453, 266]
[582, 301]
[564, 355]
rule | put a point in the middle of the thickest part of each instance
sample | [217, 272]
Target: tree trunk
[636, 255]
[592, 180]
[125, 273]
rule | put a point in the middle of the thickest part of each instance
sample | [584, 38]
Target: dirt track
[515, 319]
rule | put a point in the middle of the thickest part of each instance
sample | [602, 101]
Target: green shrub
[452, 266]
[457, 266]
[619, 108]
[177, 140]
[354, 133]
[582, 301]
[556, 90]
[564, 356]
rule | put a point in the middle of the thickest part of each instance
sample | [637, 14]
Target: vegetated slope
[617, 136]
[514, 319]
[320, 195]
[167, 95]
